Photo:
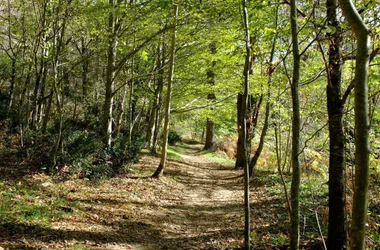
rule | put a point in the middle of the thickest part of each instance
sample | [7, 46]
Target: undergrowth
[23, 203]
[214, 157]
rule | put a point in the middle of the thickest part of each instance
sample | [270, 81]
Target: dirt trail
[204, 210]
[195, 205]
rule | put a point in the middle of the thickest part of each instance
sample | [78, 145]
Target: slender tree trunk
[279, 167]
[85, 66]
[267, 108]
[46, 118]
[161, 166]
[119, 119]
[296, 178]
[12, 87]
[257, 154]
[40, 81]
[240, 147]
[21, 108]
[247, 212]
[337, 223]
[41, 102]
[58, 143]
[158, 120]
[131, 110]
[39, 60]
[156, 99]
[59, 28]
[360, 202]
[110, 78]
[154, 115]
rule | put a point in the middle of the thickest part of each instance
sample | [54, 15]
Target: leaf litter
[197, 204]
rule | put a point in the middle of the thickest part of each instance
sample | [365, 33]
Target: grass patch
[211, 156]
[79, 247]
[174, 153]
[25, 203]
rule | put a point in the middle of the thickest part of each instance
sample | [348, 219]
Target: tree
[247, 212]
[296, 177]
[161, 166]
[210, 141]
[270, 70]
[359, 209]
[335, 103]
[113, 27]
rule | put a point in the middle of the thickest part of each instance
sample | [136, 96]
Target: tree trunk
[12, 87]
[110, 79]
[156, 99]
[40, 72]
[209, 144]
[46, 118]
[247, 212]
[270, 71]
[240, 143]
[360, 202]
[121, 107]
[257, 154]
[85, 66]
[158, 121]
[161, 166]
[337, 223]
[41, 102]
[296, 178]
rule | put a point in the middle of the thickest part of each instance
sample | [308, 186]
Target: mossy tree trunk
[359, 209]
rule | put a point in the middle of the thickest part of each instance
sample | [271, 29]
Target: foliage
[53, 74]
[173, 138]
[90, 160]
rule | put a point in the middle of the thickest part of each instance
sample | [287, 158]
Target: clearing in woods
[197, 204]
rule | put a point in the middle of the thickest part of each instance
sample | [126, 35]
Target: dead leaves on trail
[195, 205]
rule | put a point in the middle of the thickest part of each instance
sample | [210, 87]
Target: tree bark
[110, 78]
[337, 222]
[209, 144]
[239, 146]
[156, 103]
[296, 177]
[161, 166]
[257, 154]
[157, 92]
[247, 216]
[360, 202]
[12, 85]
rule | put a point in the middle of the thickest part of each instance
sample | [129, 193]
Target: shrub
[173, 138]
[90, 160]
[84, 168]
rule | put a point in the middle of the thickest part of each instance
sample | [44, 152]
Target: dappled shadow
[204, 210]
[14, 173]
[138, 233]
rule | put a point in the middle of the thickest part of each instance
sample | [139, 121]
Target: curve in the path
[209, 210]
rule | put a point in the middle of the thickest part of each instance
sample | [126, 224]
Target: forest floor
[197, 204]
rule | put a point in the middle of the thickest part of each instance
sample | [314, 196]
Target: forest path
[204, 208]
[196, 204]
